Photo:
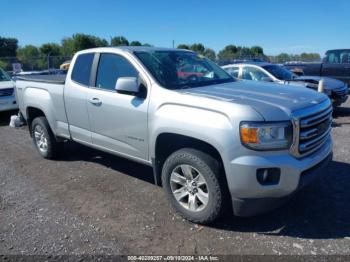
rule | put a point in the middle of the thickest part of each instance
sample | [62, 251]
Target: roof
[133, 49]
[250, 63]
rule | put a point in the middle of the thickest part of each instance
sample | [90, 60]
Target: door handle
[95, 101]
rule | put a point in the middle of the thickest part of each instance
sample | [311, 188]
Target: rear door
[337, 65]
[75, 95]
[118, 121]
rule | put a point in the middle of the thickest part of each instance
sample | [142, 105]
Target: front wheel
[43, 138]
[191, 181]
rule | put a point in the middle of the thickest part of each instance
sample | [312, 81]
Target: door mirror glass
[128, 85]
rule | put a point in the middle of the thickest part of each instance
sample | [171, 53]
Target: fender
[195, 122]
[40, 99]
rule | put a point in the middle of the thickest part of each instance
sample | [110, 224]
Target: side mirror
[266, 79]
[127, 85]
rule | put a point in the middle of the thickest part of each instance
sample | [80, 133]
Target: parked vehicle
[65, 65]
[335, 64]
[7, 93]
[212, 141]
[336, 90]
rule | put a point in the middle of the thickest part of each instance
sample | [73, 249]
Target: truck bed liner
[52, 79]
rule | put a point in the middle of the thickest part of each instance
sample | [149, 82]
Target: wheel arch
[167, 143]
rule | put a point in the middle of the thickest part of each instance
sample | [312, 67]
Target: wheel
[191, 182]
[43, 138]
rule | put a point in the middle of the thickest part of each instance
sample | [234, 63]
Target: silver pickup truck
[212, 141]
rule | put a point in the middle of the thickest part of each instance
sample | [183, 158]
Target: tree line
[53, 54]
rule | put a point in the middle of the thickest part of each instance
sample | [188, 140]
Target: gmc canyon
[212, 141]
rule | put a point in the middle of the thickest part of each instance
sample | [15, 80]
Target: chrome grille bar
[312, 127]
[320, 117]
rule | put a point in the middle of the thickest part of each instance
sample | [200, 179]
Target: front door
[118, 121]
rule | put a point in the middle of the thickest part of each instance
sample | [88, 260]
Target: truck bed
[50, 79]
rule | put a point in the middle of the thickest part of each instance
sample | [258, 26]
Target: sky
[291, 26]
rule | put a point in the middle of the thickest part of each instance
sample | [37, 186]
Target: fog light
[268, 176]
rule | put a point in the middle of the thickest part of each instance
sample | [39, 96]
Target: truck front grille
[311, 129]
[6, 92]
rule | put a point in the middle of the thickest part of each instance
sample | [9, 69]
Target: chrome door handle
[95, 101]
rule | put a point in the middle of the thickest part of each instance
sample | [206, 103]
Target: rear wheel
[191, 181]
[43, 138]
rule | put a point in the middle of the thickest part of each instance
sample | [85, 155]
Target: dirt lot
[93, 203]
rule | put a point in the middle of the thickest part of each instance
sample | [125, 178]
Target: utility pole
[48, 61]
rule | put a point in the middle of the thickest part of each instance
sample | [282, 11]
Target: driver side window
[252, 73]
[110, 68]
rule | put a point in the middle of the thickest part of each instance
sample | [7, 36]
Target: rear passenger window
[233, 71]
[110, 68]
[82, 69]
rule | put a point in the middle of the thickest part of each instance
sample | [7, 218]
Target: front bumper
[249, 197]
[337, 101]
[8, 103]
[251, 207]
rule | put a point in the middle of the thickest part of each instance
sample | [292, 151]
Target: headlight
[266, 136]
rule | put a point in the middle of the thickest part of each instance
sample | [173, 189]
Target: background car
[7, 93]
[336, 90]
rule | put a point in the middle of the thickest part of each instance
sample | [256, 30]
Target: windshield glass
[181, 69]
[280, 72]
[4, 76]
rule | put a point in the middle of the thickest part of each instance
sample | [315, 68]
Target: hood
[329, 83]
[6, 84]
[272, 101]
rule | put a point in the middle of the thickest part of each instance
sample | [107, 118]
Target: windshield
[280, 72]
[182, 69]
[4, 76]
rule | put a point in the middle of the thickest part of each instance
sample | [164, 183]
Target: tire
[43, 138]
[191, 206]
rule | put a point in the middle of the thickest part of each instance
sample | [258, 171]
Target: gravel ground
[89, 202]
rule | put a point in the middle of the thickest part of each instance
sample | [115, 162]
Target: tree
[199, 48]
[283, 57]
[135, 43]
[3, 64]
[146, 44]
[183, 46]
[210, 53]
[50, 49]
[29, 56]
[256, 51]
[309, 57]
[8, 47]
[228, 53]
[119, 41]
[51, 53]
[79, 42]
